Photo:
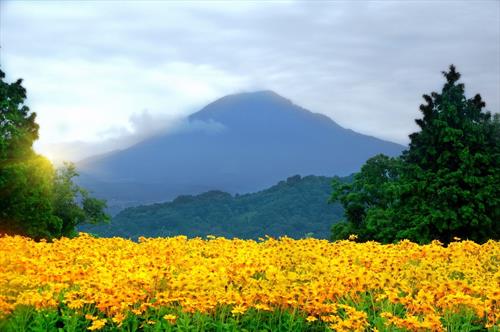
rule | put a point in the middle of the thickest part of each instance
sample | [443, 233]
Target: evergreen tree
[446, 185]
[452, 178]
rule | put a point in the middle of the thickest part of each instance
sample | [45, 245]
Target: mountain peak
[253, 104]
[266, 138]
[255, 94]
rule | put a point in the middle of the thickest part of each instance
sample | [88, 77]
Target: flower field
[220, 284]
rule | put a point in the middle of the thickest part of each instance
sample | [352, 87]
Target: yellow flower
[311, 319]
[137, 312]
[97, 324]
[329, 319]
[117, 276]
[90, 317]
[75, 304]
[263, 307]
[118, 318]
[238, 310]
[170, 318]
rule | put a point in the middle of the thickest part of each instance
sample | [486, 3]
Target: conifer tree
[452, 176]
[446, 185]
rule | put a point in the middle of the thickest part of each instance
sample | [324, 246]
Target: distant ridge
[297, 207]
[239, 143]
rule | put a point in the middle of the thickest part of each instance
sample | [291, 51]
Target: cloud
[141, 126]
[90, 66]
[87, 99]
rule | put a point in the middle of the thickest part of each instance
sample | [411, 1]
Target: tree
[446, 185]
[35, 200]
[26, 198]
[453, 174]
[72, 204]
[369, 201]
[18, 129]
[25, 178]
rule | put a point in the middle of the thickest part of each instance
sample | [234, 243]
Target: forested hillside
[297, 207]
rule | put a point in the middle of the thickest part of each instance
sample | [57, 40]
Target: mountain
[239, 143]
[296, 207]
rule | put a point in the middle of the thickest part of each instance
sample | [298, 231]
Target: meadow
[217, 284]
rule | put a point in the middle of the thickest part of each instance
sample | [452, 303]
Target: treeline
[445, 186]
[36, 200]
[297, 207]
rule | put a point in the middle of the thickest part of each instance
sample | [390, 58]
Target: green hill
[296, 207]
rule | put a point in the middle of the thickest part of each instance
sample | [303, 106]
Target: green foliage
[453, 178]
[296, 207]
[447, 184]
[30, 320]
[26, 198]
[72, 204]
[35, 200]
[62, 318]
[451, 320]
[18, 129]
[369, 200]
[25, 178]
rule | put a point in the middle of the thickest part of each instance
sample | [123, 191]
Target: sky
[105, 75]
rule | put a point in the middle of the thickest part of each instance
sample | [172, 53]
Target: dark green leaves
[447, 183]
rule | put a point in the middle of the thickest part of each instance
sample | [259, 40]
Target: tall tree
[453, 168]
[25, 178]
[18, 129]
[35, 200]
[447, 183]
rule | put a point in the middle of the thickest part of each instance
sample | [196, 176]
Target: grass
[223, 319]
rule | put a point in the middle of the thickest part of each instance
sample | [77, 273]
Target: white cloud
[86, 99]
[139, 127]
[90, 66]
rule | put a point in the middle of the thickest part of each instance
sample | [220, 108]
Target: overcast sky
[112, 72]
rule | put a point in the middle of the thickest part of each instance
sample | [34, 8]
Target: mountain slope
[239, 143]
[294, 207]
